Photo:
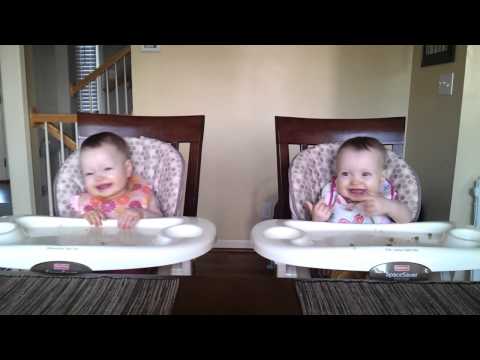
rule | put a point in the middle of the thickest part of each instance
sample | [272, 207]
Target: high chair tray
[30, 240]
[360, 247]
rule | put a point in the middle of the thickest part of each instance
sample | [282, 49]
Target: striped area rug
[368, 297]
[27, 293]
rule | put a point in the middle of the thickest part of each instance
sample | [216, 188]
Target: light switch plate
[445, 84]
[151, 48]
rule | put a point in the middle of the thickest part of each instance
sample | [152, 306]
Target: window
[86, 61]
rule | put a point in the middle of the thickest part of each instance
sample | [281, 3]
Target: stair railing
[53, 124]
[107, 74]
[48, 121]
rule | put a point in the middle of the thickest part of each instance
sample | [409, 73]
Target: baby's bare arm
[395, 209]
[94, 217]
[153, 210]
[318, 212]
[398, 211]
[130, 217]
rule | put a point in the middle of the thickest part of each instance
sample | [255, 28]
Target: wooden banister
[40, 119]
[111, 83]
[67, 140]
[101, 69]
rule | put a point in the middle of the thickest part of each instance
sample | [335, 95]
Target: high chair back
[306, 132]
[168, 129]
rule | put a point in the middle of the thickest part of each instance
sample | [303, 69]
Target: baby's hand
[375, 205]
[319, 212]
[94, 217]
[129, 218]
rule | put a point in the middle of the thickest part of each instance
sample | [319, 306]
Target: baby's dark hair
[364, 143]
[99, 139]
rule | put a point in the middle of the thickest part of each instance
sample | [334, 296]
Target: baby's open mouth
[358, 192]
[103, 187]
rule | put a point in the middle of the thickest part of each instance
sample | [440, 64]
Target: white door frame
[17, 128]
[3, 147]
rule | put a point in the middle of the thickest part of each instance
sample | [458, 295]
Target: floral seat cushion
[159, 163]
[314, 167]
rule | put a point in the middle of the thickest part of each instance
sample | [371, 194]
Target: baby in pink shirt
[111, 189]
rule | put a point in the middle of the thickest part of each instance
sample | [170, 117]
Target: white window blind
[86, 61]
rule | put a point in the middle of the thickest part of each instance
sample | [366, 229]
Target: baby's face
[105, 171]
[359, 173]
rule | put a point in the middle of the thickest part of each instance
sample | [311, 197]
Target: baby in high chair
[360, 193]
[112, 191]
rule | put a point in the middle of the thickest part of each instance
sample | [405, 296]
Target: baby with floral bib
[112, 191]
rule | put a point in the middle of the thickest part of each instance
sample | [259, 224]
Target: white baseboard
[233, 244]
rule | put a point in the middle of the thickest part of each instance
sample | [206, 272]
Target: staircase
[113, 78]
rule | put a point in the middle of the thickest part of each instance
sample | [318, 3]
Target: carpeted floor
[367, 297]
[26, 293]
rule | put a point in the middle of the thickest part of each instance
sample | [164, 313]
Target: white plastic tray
[29, 240]
[359, 247]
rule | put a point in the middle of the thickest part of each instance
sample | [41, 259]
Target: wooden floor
[232, 262]
[235, 282]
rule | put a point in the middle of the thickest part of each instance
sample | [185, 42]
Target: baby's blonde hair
[361, 143]
[99, 139]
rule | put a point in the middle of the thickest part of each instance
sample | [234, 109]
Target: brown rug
[27, 293]
[368, 297]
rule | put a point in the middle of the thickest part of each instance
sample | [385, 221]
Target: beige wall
[432, 131]
[467, 168]
[241, 88]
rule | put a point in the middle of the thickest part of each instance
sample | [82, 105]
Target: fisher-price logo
[61, 266]
[401, 268]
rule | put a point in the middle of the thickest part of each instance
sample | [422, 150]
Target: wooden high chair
[172, 129]
[313, 131]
